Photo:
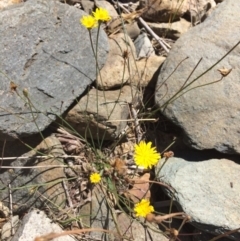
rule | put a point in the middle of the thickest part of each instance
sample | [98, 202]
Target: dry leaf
[13, 86]
[140, 189]
[168, 154]
[224, 72]
[119, 166]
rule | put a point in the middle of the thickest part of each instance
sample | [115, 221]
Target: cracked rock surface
[46, 52]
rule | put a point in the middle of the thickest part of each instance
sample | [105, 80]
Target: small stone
[143, 46]
[9, 227]
[36, 224]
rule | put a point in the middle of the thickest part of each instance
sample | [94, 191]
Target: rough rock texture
[143, 46]
[87, 6]
[171, 30]
[98, 115]
[101, 217]
[97, 214]
[44, 49]
[147, 67]
[135, 230]
[169, 11]
[209, 116]
[36, 223]
[32, 187]
[208, 191]
[120, 65]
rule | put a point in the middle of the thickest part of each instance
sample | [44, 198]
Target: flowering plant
[95, 178]
[101, 14]
[145, 155]
[91, 21]
[143, 208]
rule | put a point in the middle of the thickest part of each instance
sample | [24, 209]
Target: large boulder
[209, 116]
[208, 191]
[45, 50]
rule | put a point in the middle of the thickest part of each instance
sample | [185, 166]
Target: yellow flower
[145, 155]
[101, 14]
[89, 22]
[95, 178]
[143, 208]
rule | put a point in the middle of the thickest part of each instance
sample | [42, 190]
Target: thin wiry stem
[180, 93]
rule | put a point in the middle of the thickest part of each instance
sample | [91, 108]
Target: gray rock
[143, 46]
[36, 224]
[208, 191]
[33, 187]
[209, 116]
[44, 49]
[98, 115]
[87, 6]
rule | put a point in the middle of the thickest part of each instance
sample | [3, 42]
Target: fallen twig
[51, 236]
[67, 194]
[128, 120]
[37, 157]
[10, 209]
[31, 167]
[137, 125]
[159, 40]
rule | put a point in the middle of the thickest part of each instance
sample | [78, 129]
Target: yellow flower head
[101, 14]
[95, 178]
[143, 208]
[145, 155]
[89, 22]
